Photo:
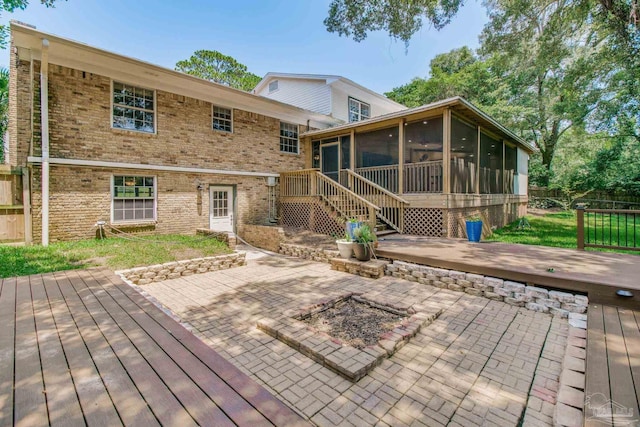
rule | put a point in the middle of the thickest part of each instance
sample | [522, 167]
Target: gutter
[44, 118]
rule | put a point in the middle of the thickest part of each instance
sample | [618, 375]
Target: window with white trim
[222, 119]
[273, 86]
[133, 108]
[134, 198]
[288, 138]
[358, 110]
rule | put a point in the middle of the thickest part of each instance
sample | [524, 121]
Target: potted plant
[474, 228]
[351, 225]
[363, 243]
[345, 246]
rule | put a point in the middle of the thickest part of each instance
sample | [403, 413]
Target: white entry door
[221, 208]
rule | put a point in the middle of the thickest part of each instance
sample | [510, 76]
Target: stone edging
[306, 252]
[172, 270]
[518, 294]
[531, 297]
[347, 361]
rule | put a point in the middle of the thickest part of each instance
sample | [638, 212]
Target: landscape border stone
[172, 270]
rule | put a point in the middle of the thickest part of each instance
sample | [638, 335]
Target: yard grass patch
[557, 229]
[114, 252]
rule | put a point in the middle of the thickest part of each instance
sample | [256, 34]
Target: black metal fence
[608, 228]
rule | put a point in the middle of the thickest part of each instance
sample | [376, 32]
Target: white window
[133, 108]
[134, 198]
[288, 138]
[222, 119]
[358, 110]
[273, 86]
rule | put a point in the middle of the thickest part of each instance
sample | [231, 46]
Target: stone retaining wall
[513, 293]
[173, 270]
[262, 236]
[305, 252]
[227, 237]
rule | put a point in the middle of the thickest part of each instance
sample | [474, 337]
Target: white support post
[44, 115]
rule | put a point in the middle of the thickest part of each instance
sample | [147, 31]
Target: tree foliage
[219, 68]
[564, 74]
[10, 6]
[400, 18]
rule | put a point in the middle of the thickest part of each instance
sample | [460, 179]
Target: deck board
[90, 350]
[94, 399]
[62, 402]
[30, 406]
[613, 365]
[124, 395]
[7, 320]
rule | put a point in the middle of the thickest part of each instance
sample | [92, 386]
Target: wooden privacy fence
[608, 229]
[12, 226]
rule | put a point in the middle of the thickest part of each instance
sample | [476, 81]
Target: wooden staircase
[360, 199]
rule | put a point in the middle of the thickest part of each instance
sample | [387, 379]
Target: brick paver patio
[480, 363]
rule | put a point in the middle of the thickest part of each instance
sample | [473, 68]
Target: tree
[219, 68]
[550, 59]
[459, 72]
[400, 18]
[10, 6]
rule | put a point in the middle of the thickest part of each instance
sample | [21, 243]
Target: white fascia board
[93, 60]
[346, 85]
[121, 165]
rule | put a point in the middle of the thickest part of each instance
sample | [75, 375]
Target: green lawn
[114, 252]
[554, 229]
[558, 229]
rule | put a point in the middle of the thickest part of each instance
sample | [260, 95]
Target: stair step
[386, 232]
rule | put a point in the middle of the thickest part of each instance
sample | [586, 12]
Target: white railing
[384, 176]
[423, 177]
[391, 207]
[345, 203]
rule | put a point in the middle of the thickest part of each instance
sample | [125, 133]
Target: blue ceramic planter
[474, 230]
[350, 226]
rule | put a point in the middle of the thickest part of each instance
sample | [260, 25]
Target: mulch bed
[354, 323]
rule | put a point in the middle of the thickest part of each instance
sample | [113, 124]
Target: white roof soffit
[457, 101]
[327, 78]
[87, 58]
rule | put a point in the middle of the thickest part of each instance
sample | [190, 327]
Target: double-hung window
[133, 108]
[222, 119]
[289, 138]
[134, 198]
[358, 110]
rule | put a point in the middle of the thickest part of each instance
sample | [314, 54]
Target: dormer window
[273, 86]
[358, 110]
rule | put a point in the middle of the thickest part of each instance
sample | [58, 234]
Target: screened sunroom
[447, 158]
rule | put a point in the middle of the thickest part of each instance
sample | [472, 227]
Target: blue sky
[281, 36]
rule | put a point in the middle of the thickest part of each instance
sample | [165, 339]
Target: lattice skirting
[493, 217]
[311, 216]
[423, 222]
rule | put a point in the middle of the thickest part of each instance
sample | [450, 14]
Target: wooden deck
[613, 366]
[598, 274]
[83, 348]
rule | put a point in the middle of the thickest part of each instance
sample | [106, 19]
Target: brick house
[103, 137]
[140, 146]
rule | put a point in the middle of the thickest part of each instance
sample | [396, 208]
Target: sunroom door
[221, 208]
[330, 160]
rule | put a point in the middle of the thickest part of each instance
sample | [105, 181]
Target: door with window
[221, 208]
[330, 160]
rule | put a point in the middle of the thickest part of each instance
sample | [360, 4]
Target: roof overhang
[83, 57]
[458, 105]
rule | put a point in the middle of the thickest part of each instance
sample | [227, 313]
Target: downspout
[44, 117]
